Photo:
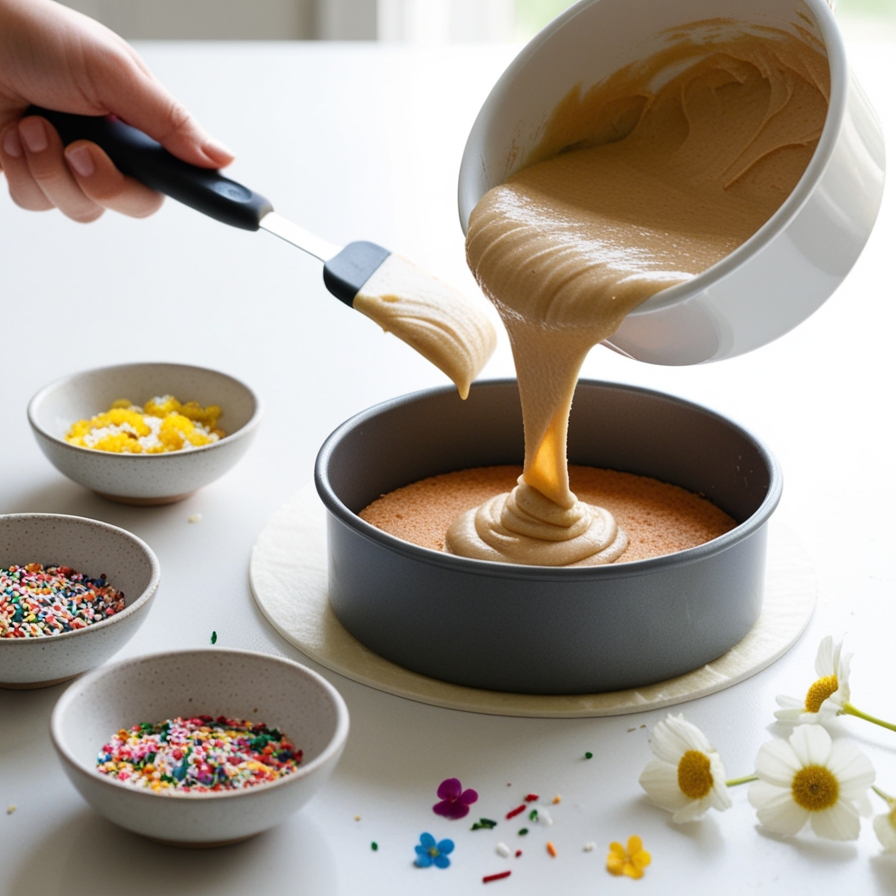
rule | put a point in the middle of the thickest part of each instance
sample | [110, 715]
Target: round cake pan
[535, 629]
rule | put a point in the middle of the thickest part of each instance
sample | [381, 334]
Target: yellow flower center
[815, 788]
[694, 776]
[820, 691]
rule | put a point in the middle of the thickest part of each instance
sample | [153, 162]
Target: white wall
[204, 19]
[413, 21]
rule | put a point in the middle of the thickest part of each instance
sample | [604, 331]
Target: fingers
[131, 92]
[105, 185]
[22, 187]
[79, 180]
[167, 121]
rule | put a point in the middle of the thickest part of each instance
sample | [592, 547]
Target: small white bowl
[89, 547]
[143, 478]
[235, 683]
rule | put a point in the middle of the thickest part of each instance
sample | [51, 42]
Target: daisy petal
[777, 763]
[694, 810]
[840, 822]
[776, 809]
[812, 744]
[852, 769]
[660, 782]
[826, 658]
[886, 832]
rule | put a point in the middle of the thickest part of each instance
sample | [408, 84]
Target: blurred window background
[409, 21]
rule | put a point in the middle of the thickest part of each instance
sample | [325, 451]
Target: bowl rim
[41, 395]
[494, 569]
[333, 747]
[835, 52]
[130, 609]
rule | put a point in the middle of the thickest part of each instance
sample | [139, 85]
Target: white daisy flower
[811, 778]
[687, 778]
[885, 825]
[827, 695]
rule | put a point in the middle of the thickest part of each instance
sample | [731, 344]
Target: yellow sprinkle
[357, 818]
[163, 424]
[12, 808]
[556, 799]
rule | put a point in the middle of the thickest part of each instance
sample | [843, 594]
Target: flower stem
[850, 710]
[884, 796]
[734, 782]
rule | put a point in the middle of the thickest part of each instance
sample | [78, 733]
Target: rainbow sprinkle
[36, 600]
[198, 755]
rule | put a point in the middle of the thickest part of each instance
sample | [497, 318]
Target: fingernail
[12, 143]
[34, 134]
[217, 151]
[80, 160]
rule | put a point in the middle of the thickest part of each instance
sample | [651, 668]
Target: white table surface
[363, 142]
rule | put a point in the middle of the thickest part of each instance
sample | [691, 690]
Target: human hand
[54, 57]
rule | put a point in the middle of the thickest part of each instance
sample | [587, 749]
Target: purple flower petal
[445, 807]
[449, 789]
[469, 796]
[458, 810]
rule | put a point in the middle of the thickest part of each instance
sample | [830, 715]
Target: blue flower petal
[427, 840]
[423, 860]
[445, 847]
[442, 861]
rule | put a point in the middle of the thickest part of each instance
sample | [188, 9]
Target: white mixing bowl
[789, 267]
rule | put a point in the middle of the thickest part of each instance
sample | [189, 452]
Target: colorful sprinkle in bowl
[239, 684]
[92, 548]
[143, 478]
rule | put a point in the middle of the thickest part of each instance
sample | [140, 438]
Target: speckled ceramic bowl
[89, 547]
[235, 683]
[143, 478]
[538, 629]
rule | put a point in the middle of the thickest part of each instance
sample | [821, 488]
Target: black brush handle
[141, 157]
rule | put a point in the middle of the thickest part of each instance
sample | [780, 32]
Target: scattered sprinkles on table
[163, 424]
[198, 755]
[37, 600]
